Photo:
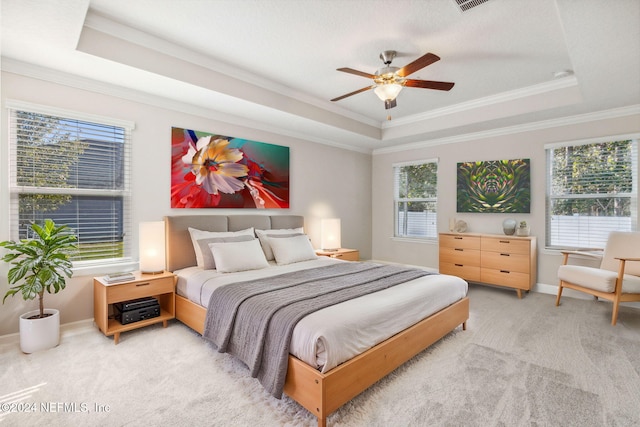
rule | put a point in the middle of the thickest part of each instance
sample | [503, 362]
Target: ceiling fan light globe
[388, 91]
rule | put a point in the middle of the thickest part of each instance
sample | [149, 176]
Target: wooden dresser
[494, 259]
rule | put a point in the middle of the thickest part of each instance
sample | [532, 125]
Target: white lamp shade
[151, 245]
[388, 91]
[330, 234]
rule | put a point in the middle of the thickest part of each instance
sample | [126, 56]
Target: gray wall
[325, 181]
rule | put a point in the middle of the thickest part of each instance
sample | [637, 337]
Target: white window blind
[592, 189]
[75, 170]
[416, 199]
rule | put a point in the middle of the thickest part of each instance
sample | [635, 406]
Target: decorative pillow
[202, 234]
[264, 235]
[208, 262]
[238, 256]
[292, 249]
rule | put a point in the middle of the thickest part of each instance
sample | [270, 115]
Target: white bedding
[335, 334]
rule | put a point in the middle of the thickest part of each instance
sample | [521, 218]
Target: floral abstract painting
[215, 171]
[498, 186]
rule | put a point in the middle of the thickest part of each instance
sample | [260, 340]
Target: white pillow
[238, 256]
[263, 235]
[202, 234]
[292, 249]
[208, 262]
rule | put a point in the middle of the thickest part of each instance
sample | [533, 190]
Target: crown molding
[83, 83]
[499, 98]
[58, 77]
[528, 127]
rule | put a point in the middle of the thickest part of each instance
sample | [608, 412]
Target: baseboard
[66, 330]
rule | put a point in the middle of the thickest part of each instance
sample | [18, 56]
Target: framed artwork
[497, 186]
[216, 171]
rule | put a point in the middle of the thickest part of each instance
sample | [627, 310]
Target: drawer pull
[458, 249]
[505, 271]
[143, 284]
[505, 241]
[505, 254]
[459, 265]
[458, 238]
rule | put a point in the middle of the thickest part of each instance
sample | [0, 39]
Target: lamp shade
[330, 234]
[151, 245]
[388, 91]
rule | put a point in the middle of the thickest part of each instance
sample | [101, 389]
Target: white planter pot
[39, 334]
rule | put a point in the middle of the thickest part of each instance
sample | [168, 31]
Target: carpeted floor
[520, 363]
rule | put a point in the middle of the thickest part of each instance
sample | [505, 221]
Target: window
[73, 169]
[416, 199]
[592, 189]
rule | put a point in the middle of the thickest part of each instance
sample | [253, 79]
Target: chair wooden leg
[614, 315]
[559, 294]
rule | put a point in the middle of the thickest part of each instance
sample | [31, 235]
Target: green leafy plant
[523, 224]
[42, 262]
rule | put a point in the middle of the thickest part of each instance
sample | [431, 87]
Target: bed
[318, 382]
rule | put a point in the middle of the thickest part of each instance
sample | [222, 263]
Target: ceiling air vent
[465, 5]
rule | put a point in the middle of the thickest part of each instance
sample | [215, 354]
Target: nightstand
[342, 253]
[160, 286]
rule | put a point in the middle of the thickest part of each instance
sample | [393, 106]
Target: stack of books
[119, 277]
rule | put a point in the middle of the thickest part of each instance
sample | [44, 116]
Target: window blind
[76, 172]
[592, 189]
[415, 199]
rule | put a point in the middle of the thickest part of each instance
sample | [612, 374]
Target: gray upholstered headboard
[179, 249]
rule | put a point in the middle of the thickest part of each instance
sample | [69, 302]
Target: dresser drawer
[511, 279]
[506, 261]
[460, 256]
[467, 272]
[460, 241]
[139, 289]
[506, 245]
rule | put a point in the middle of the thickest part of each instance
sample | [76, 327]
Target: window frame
[397, 199]
[632, 195]
[16, 189]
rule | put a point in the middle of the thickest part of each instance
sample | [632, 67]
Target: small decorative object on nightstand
[160, 286]
[342, 253]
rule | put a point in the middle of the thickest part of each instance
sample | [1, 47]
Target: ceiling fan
[389, 81]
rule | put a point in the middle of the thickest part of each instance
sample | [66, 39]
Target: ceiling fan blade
[423, 61]
[357, 73]
[352, 93]
[429, 84]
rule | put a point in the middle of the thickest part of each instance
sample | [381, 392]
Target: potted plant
[40, 264]
[523, 229]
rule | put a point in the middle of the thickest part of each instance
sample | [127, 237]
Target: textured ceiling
[274, 61]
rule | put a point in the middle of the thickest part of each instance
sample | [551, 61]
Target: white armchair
[618, 277]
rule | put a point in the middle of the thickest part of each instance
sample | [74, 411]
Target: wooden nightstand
[342, 253]
[160, 286]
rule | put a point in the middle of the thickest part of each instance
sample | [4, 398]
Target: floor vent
[465, 5]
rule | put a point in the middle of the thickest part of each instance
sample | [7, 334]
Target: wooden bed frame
[320, 393]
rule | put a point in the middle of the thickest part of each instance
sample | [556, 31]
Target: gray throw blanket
[254, 320]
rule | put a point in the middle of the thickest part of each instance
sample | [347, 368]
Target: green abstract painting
[497, 186]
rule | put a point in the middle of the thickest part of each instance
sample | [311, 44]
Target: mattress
[335, 334]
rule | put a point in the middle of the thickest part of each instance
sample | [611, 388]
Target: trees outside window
[74, 172]
[592, 189]
[416, 199]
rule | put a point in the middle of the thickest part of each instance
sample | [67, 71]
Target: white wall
[325, 181]
[518, 145]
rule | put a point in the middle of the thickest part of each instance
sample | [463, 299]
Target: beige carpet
[520, 363]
